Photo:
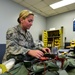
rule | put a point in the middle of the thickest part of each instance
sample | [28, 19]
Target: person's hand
[35, 53]
[46, 50]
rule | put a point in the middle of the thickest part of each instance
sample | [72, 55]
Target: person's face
[27, 22]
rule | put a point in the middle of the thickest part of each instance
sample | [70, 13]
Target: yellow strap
[3, 67]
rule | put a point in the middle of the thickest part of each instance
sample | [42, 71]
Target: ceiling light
[62, 3]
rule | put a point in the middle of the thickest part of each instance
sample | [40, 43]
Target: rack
[53, 38]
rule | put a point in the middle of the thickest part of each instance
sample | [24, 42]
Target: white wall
[9, 12]
[65, 20]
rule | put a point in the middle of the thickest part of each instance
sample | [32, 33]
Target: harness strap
[3, 67]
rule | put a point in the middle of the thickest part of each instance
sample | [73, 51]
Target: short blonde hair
[24, 13]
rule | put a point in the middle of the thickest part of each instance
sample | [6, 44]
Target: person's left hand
[46, 50]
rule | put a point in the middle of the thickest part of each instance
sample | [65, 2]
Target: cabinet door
[45, 36]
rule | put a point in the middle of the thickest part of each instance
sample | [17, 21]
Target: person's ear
[21, 19]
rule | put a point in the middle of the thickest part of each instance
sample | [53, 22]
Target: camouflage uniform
[18, 41]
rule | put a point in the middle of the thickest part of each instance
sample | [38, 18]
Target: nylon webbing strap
[3, 67]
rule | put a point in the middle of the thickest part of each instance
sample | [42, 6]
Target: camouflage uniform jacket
[18, 41]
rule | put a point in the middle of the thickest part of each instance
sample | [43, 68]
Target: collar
[21, 30]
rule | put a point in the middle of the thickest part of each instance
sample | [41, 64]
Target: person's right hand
[35, 53]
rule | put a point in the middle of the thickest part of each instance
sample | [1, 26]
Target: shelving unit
[53, 38]
[72, 43]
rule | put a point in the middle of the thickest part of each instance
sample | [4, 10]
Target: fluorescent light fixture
[62, 3]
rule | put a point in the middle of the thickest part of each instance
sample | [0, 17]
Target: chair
[2, 51]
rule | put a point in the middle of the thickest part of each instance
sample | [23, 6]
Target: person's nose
[31, 23]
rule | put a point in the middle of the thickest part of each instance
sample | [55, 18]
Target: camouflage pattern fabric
[18, 41]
